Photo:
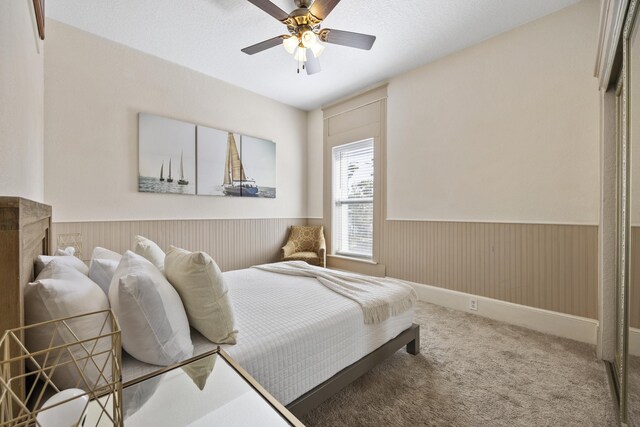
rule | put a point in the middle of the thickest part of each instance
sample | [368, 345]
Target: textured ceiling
[207, 35]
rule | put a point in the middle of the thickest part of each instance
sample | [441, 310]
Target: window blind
[353, 199]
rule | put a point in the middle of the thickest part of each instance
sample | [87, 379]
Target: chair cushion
[301, 256]
[305, 238]
[308, 257]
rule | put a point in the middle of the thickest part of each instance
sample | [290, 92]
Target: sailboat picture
[182, 181]
[161, 140]
[212, 162]
[169, 179]
[234, 165]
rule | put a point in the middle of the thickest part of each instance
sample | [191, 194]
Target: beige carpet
[476, 372]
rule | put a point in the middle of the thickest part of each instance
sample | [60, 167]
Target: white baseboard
[634, 341]
[546, 321]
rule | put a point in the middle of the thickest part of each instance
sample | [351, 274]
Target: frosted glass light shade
[317, 49]
[290, 44]
[309, 39]
[301, 54]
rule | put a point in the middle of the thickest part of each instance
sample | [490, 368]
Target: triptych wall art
[184, 158]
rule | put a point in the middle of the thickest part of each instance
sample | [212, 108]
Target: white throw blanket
[378, 297]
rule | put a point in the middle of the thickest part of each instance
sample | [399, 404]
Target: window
[353, 199]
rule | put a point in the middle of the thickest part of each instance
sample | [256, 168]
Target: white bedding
[294, 333]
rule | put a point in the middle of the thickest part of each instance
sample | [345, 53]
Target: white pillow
[149, 250]
[204, 294]
[101, 271]
[70, 251]
[103, 266]
[154, 325]
[102, 253]
[71, 261]
[62, 291]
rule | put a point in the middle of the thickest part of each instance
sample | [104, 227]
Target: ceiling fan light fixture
[317, 49]
[290, 44]
[301, 54]
[309, 39]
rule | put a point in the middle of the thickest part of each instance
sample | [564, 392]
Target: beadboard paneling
[233, 243]
[553, 267]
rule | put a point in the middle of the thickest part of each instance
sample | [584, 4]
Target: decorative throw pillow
[62, 291]
[101, 271]
[102, 253]
[103, 266]
[149, 250]
[154, 325]
[71, 261]
[305, 238]
[204, 293]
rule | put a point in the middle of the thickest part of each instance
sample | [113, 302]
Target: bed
[298, 339]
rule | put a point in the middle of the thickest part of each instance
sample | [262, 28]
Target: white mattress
[294, 333]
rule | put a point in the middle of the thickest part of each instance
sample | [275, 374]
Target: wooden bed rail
[304, 404]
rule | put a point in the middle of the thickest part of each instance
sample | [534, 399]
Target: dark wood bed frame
[25, 232]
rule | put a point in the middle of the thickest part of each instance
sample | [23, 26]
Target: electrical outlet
[473, 304]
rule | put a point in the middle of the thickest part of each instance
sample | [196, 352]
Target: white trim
[370, 94]
[634, 341]
[492, 221]
[546, 321]
[349, 258]
[612, 16]
[364, 97]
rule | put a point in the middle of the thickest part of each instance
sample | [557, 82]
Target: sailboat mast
[181, 165]
[169, 168]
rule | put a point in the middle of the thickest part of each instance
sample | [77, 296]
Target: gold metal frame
[19, 408]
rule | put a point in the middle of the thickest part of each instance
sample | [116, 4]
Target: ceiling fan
[305, 35]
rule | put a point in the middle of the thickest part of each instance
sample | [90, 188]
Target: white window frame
[335, 202]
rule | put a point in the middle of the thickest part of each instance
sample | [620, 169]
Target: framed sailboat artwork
[167, 155]
[234, 165]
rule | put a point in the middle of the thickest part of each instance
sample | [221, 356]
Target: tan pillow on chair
[305, 238]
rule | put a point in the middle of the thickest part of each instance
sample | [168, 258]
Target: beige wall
[315, 155]
[504, 131]
[94, 91]
[485, 145]
[21, 102]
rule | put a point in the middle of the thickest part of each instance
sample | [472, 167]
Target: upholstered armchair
[306, 243]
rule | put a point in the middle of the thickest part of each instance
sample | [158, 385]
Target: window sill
[356, 265]
[355, 259]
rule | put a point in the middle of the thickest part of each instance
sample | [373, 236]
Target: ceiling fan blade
[259, 47]
[322, 8]
[271, 9]
[312, 64]
[347, 38]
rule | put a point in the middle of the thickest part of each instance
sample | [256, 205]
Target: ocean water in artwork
[147, 184]
[218, 190]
